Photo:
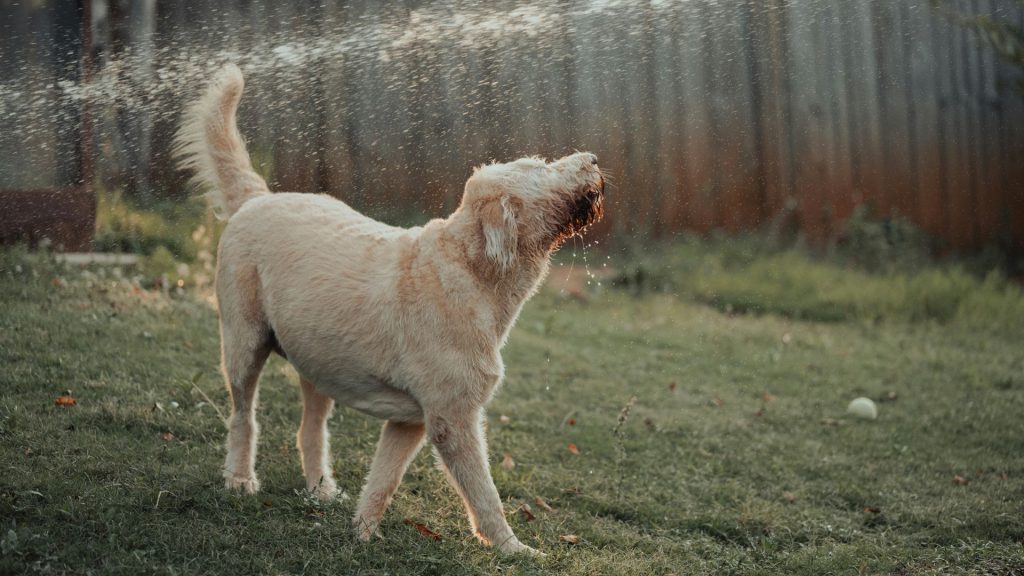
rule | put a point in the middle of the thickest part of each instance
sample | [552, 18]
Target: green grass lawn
[735, 456]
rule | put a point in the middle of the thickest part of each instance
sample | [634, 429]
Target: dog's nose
[593, 159]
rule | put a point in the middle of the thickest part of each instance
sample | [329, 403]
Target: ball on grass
[863, 408]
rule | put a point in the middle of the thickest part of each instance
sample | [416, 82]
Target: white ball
[863, 408]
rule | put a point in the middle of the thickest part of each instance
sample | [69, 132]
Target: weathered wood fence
[708, 114]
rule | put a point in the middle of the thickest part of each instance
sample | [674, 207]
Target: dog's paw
[325, 488]
[514, 546]
[366, 528]
[247, 484]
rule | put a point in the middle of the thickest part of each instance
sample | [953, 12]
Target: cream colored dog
[403, 324]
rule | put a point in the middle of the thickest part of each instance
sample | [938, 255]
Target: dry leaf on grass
[569, 538]
[504, 419]
[768, 396]
[574, 449]
[569, 418]
[527, 512]
[422, 529]
[789, 497]
[960, 480]
[167, 436]
[672, 386]
[716, 402]
[543, 504]
[508, 463]
[872, 509]
[65, 400]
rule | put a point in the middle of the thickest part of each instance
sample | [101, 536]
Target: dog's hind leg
[313, 442]
[244, 350]
[399, 444]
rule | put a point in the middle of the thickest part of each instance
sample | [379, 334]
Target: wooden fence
[708, 114]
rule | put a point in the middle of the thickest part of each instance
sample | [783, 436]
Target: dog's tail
[208, 144]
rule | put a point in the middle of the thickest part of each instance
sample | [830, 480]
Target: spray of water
[31, 100]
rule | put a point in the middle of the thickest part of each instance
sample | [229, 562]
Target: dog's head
[529, 207]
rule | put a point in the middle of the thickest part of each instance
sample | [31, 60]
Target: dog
[405, 324]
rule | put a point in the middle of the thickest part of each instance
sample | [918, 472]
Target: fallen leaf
[760, 411]
[422, 529]
[167, 436]
[65, 400]
[504, 419]
[574, 491]
[960, 480]
[672, 387]
[569, 418]
[508, 463]
[543, 505]
[767, 396]
[830, 422]
[872, 509]
[527, 512]
[789, 497]
[266, 503]
[716, 402]
[569, 538]
[574, 449]
[188, 344]
[650, 424]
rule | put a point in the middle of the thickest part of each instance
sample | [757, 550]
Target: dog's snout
[593, 160]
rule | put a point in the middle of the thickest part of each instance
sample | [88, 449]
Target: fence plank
[929, 209]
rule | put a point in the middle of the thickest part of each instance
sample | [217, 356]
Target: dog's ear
[498, 219]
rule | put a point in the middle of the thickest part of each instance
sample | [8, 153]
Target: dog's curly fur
[403, 324]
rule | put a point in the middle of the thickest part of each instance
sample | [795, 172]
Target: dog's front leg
[460, 443]
[399, 443]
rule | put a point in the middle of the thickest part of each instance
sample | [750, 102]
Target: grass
[735, 455]
[749, 277]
